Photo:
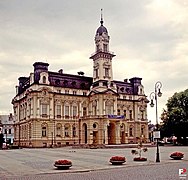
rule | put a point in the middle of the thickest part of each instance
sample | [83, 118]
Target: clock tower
[102, 59]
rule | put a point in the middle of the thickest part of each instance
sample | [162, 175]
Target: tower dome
[101, 29]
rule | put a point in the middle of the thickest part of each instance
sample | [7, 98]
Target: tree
[175, 118]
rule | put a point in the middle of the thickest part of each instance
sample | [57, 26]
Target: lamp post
[153, 96]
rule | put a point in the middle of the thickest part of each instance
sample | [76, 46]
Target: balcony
[100, 51]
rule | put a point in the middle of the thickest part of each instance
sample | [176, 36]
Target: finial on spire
[101, 18]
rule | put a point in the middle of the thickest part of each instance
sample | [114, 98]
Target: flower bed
[177, 155]
[63, 164]
[139, 152]
[117, 160]
[140, 159]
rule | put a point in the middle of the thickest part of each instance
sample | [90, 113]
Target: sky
[149, 38]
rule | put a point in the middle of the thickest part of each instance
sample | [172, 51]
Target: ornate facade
[55, 108]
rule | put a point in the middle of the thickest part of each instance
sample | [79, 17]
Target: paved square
[20, 162]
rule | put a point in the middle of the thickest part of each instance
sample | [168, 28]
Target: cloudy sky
[149, 38]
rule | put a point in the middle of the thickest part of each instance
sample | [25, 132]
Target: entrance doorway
[95, 137]
[112, 133]
[84, 134]
[122, 137]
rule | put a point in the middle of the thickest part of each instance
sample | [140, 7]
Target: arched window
[44, 130]
[67, 130]
[74, 131]
[118, 112]
[124, 113]
[44, 79]
[131, 131]
[94, 104]
[142, 115]
[106, 72]
[109, 107]
[122, 127]
[142, 130]
[140, 90]
[130, 114]
[58, 130]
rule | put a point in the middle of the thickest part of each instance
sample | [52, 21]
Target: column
[118, 133]
[106, 134]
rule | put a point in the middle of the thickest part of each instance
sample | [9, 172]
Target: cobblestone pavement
[36, 163]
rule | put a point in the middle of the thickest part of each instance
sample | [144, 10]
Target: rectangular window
[96, 73]
[5, 131]
[29, 110]
[109, 110]
[106, 72]
[97, 48]
[74, 132]
[9, 131]
[44, 109]
[74, 92]
[84, 111]
[130, 114]
[95, 110]
[66, 91]
[105, 47]
[125, 113]
[130, 131]
[74, 111]
[84, 93]
[142, 115]
[58, 110]
[118, 112]
[66, 110]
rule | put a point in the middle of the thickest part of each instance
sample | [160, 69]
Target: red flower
[140, 159]
[63, 162]
[177, 154]
[117, 158]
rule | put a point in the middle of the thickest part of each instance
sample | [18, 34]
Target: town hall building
[57, 109]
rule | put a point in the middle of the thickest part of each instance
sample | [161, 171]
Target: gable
[108, 91]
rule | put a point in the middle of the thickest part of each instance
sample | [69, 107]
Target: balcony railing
[109, 52]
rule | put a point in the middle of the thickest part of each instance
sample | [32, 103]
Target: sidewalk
[23, 162]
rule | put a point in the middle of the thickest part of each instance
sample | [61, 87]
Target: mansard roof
[70, 81]
[60, 79]
[125, 87]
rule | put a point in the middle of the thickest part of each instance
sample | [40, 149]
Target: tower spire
[101, 19]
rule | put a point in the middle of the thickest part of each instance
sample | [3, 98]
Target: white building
[7, 127]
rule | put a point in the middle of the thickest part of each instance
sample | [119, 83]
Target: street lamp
[153, 96]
